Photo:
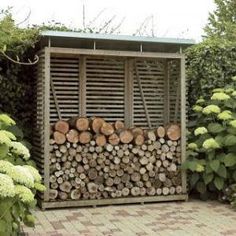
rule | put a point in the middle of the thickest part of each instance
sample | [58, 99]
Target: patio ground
[174, 218]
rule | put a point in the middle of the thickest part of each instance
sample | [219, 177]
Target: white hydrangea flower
[37, 177]
[9, 134]
[22, 176]
[19, 149]
[7, 188]
[4, 139]
[5, 167]
[25, 194]
[7, 119]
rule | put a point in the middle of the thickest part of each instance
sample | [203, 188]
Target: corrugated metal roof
[112, 37]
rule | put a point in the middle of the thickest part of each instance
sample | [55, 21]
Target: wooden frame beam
[46, 86]
[99, 52]
[183, 121]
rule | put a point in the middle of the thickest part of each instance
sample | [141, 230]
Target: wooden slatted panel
[65, 77]
[174, 90]
[38, 126]
[105, 88]
[151, 73]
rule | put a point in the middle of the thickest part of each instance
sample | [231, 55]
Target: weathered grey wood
[142, 95]
[55, 98]
[113, 201]
[166, 94]
[183, 123]
[98, 52]
[46, 87]
[82, 86]
[129, 92]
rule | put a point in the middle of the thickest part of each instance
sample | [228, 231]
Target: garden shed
[137, 80]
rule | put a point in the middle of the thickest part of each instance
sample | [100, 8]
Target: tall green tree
[222, 22]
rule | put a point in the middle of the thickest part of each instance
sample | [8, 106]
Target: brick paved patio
[176, 219]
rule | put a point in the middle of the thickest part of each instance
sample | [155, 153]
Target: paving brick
[193, 218]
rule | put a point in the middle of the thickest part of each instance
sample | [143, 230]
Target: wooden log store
[110, 119]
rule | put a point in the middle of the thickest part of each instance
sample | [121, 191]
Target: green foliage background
[210, 65]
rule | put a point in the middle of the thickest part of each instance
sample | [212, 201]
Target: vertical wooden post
[46, 90]
[183, 120]
[82, 86]
[166, 93]
[129, 92]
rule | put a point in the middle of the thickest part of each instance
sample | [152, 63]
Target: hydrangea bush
[211, 150]
[18, 181]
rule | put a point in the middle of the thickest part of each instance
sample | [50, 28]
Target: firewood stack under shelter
[110, 119]
[94, 159]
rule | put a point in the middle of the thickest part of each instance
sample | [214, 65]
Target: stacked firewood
[94, 159]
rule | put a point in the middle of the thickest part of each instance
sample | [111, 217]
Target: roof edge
[112, 37]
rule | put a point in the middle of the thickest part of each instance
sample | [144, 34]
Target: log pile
[94, 159]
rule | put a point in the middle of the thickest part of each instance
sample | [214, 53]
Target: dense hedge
[210, 64]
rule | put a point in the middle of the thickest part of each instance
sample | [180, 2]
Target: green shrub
[229, 194]
[212, 142]
[210, 64]
[18, 180]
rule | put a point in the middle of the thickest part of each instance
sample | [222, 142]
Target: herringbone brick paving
[191, 218]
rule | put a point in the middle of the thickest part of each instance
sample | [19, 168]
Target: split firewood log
[96, 124]
[85, 137]
[114, 139]
[107, 129]
[173, 132]
[126, 136]
[72, 136]
[161, 132]
[79, 123]
[59, 137]
[61, 126]
[119, 125]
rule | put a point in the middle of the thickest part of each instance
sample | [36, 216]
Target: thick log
[96, 124]
[137, 131]
[61, 126]
[72, 136]
[119, 125]
[114, 139]
[107, 129]
[59, 137]
[100, 140]
[126, 136]
[173, 132]
[85, 137]
[138, 139]
[82, 124]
